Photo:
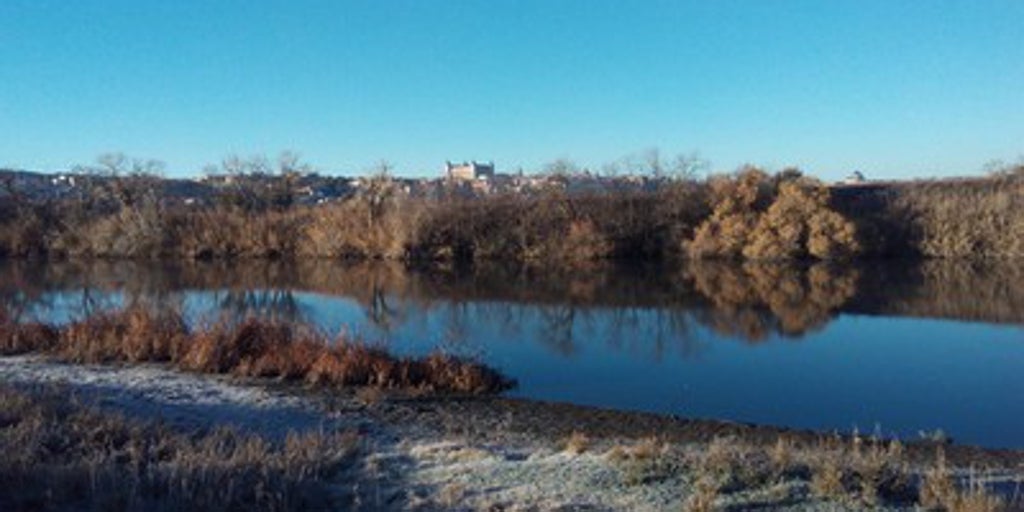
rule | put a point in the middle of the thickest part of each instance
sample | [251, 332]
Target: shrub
[784, 218]
[377, 224]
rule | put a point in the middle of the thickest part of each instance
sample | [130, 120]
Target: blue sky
[892, 88]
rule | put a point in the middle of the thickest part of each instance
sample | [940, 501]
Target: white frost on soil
[183, 400]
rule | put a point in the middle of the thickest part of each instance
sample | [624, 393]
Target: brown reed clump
[253, 348]
[351, 364]
[131, 335]
[20, 337]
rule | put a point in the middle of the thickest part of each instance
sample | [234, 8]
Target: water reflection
[753, 301]
[648, 309]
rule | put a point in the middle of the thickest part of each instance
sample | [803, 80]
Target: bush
[799, 225]
[785, 218]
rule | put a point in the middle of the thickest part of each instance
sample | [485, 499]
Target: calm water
[897, 348]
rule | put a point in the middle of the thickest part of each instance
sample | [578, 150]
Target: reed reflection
[649, 311]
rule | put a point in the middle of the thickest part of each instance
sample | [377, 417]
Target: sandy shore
[464, 453]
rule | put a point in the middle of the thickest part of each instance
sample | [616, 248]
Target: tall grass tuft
[21, 337]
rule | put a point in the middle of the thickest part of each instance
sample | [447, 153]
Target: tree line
[748, 214]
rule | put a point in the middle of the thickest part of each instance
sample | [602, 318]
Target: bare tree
[561, 167]
[653, 163]
[125, 180]
[380, 189]
[254, 183]
[686, 166]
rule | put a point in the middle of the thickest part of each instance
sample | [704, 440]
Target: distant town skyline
[894, 89]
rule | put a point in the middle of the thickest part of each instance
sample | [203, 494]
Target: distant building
[469, 171]
[63, 179]
[855, 178]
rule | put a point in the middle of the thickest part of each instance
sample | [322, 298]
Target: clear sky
[892, 88]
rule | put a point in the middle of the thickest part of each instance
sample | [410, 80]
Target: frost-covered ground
[407, 463]
[181, 400]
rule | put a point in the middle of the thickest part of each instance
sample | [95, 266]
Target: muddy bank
[476, 453]
[480, 418]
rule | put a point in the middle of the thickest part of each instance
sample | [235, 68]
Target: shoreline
[436, 452]
[555, 421]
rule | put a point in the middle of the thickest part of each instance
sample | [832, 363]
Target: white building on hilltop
[469, 171]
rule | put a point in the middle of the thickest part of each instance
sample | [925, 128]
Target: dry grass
[369, 396]
[879, 468]
[721, 457]
[646, 461]
[857, 472]
[939, 491]
[18, 337]
[724, 465]
[980, 219]
[782, 456]
[867, 471]
[577, 442]
[827, 480]
[62, 455]
[451, 495]
[938, 487]
[705, 495]
[252, 348]
[733, 464]
[955, 218]
[132, 335]
[976, 498]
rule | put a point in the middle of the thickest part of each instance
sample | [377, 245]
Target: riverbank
[746, 215]
[480, 453]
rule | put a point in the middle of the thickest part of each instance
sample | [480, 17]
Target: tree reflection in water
[236, 304]
[650, 311]
[754, 301]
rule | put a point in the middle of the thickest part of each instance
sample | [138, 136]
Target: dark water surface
[894, 347]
